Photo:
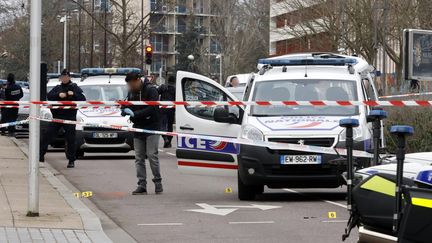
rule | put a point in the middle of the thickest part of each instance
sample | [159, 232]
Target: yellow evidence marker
[332, 215]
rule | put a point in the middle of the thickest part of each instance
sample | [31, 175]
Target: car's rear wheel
[246, 192]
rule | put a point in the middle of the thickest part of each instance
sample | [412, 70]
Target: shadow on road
[108, 157]
[300, 197]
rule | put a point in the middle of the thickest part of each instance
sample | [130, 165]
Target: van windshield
[305, 90]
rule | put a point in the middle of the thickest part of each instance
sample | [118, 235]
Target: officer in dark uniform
[12, 92]
[66, 91]
[167, 93]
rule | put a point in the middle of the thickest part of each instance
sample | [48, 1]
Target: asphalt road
[298, 215]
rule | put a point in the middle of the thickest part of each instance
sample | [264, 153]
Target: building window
[215, 47]
[160, 43]
[158, 63]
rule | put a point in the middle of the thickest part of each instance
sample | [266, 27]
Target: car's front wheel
[247, 192]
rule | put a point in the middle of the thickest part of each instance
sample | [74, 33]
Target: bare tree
[241, 30]
[126, 27]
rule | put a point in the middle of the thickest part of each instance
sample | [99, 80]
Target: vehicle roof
[94, 80]
[243, 78]
[313, 73]
[236, 89]
[103, 80]
[359, 66]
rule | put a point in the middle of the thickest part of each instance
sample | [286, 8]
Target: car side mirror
[222, 115]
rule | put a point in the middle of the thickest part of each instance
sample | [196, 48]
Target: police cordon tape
[271, 145]
[60, 107]
[9, 124]
[405, 95]
[391, 103]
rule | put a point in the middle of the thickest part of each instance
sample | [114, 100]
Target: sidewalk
[63, 218]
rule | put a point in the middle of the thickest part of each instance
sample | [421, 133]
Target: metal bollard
[401, 132]
[349, 124]
[376, 116]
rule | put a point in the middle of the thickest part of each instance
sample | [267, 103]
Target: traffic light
[149, 54]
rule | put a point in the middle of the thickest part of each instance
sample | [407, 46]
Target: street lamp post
[64, 21]
[219, 56]
[35, 62]
[191, 58]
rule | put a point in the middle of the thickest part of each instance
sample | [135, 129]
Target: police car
[99, 84]
[300, 77]
[417, 167]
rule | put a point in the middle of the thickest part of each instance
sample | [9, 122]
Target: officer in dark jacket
[66, 91]
[145, 117]
[12, 92]
[167, 93]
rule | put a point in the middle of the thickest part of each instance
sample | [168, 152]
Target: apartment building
[287, 32]
[168, 20]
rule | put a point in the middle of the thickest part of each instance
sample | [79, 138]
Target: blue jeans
[147, 147]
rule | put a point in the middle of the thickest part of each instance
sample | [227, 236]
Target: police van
[299, 77]
[99, 84]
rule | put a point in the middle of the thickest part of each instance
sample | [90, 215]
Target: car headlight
[80, 119]
[252, 133]
[357, 134]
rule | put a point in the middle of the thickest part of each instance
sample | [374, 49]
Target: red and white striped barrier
[389, 103]
[9, 124]
[271, 145]
[405, 95]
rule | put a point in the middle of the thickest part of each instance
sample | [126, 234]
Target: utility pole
[384, 57]
[105, 33]
[35, 65]
[65, 19]
[69, 42]
[142, 35]
[79, 39]
[92, 34]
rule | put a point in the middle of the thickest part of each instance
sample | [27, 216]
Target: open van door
[201, 156]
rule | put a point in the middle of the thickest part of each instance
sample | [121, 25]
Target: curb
[91, 222]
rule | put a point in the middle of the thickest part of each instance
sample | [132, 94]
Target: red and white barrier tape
[405, 95]
[61, 107]
[9, 124]
[271, 145]
[394, 103]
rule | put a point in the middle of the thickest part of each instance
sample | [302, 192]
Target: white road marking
[253, 222]
[170, 154]
[209, 209]
[160, 150]
[223, 210]
[334, 221]
[326, 201]
[162, 224]
[258, 206]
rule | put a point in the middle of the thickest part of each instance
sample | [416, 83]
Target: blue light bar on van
[312, 61]
[109, 71]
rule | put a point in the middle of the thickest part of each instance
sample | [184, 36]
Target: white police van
[99, 84]
[300, 77]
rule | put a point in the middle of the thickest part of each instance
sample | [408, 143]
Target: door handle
[187, 128]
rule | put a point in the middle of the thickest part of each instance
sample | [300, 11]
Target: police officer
[167, 93]
[66, 91]
[12, 92]
[145, 117]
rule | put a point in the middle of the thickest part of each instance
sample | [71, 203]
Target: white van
[300, 77]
